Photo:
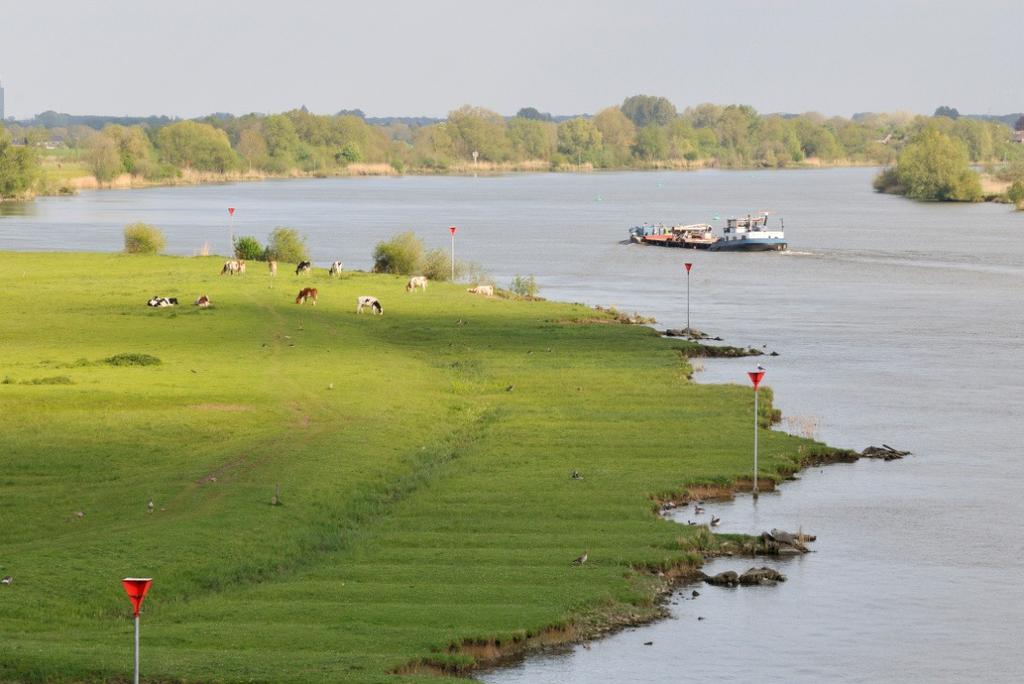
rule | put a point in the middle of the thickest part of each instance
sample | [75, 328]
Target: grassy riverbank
[423, 459]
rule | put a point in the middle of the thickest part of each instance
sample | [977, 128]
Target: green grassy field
[423, 458]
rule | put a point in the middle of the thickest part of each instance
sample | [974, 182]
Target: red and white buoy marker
[755, 377]
[136, 588]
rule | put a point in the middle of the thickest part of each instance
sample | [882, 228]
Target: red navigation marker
[688, 266]
[452, 229]
[136, 588]
[231, 211]
[755, 377]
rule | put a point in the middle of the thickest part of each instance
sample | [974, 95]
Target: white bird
[576, 475]
[6, 580]
[582, 559]
[150, 506]
[715, 521]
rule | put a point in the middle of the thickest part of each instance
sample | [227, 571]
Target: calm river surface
[896, 322]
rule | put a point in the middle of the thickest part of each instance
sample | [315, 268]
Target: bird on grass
[150, 506]
[510, 388]
[79, 514]
[715, 521]
[582, 559]
[576, 475]
[6, 580]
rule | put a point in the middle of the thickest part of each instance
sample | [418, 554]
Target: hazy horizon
[571, 57]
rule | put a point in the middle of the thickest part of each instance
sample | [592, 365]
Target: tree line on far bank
[643, 132]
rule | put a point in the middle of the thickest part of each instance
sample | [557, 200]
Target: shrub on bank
[524, 286]
[249, 248]
[143, 238]
[286, 244]
[405, 254]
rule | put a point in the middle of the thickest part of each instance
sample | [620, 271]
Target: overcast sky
[426, 57]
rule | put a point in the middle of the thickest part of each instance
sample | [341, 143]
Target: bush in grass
[286, 244]
[142, 238]
[437, 265]
[132, 360]
[53, 380]
[402, 254]
[524, 286]
[249, 248]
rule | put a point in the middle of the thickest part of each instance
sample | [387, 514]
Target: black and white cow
[303, 267]
[372, 302]
[157, 301]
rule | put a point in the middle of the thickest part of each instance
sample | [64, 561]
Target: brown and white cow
[272, 265]
[306, 293]
[416, 282]
[203, 301]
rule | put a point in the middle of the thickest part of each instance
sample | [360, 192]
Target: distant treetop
[352, 112]
[533, 114]
[950, 112]
[648, 109]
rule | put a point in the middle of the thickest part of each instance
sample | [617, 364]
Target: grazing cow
[416, 281]
[203, 301]
[272, 265]
[335, 269]
[232, 267]
[303, 266]
[485, 290]
[161, 302]
[306, 293]
[371, 302]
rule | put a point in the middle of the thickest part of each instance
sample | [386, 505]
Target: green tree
[402, 254]
[287, 244]
[474, 129]
[949, 112]
[578, 139]
[19, 168]
[532, 114]
[103, 157]
[1016, 193]
[143, 238]
[282, 142]
[249, 248]
[647, 109]
[532, 138]
[198, 146]
[936, 167]
[252, 146]
[617, 133]
[651, 143]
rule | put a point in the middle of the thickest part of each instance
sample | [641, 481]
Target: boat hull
[748, 246]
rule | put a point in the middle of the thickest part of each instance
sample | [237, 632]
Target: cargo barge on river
[749, 234]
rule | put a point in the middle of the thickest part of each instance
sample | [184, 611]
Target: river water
[896, 322]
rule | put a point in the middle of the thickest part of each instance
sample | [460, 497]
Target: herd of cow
[309, 294]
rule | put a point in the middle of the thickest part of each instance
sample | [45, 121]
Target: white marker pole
[136, 648]
[452, 229]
